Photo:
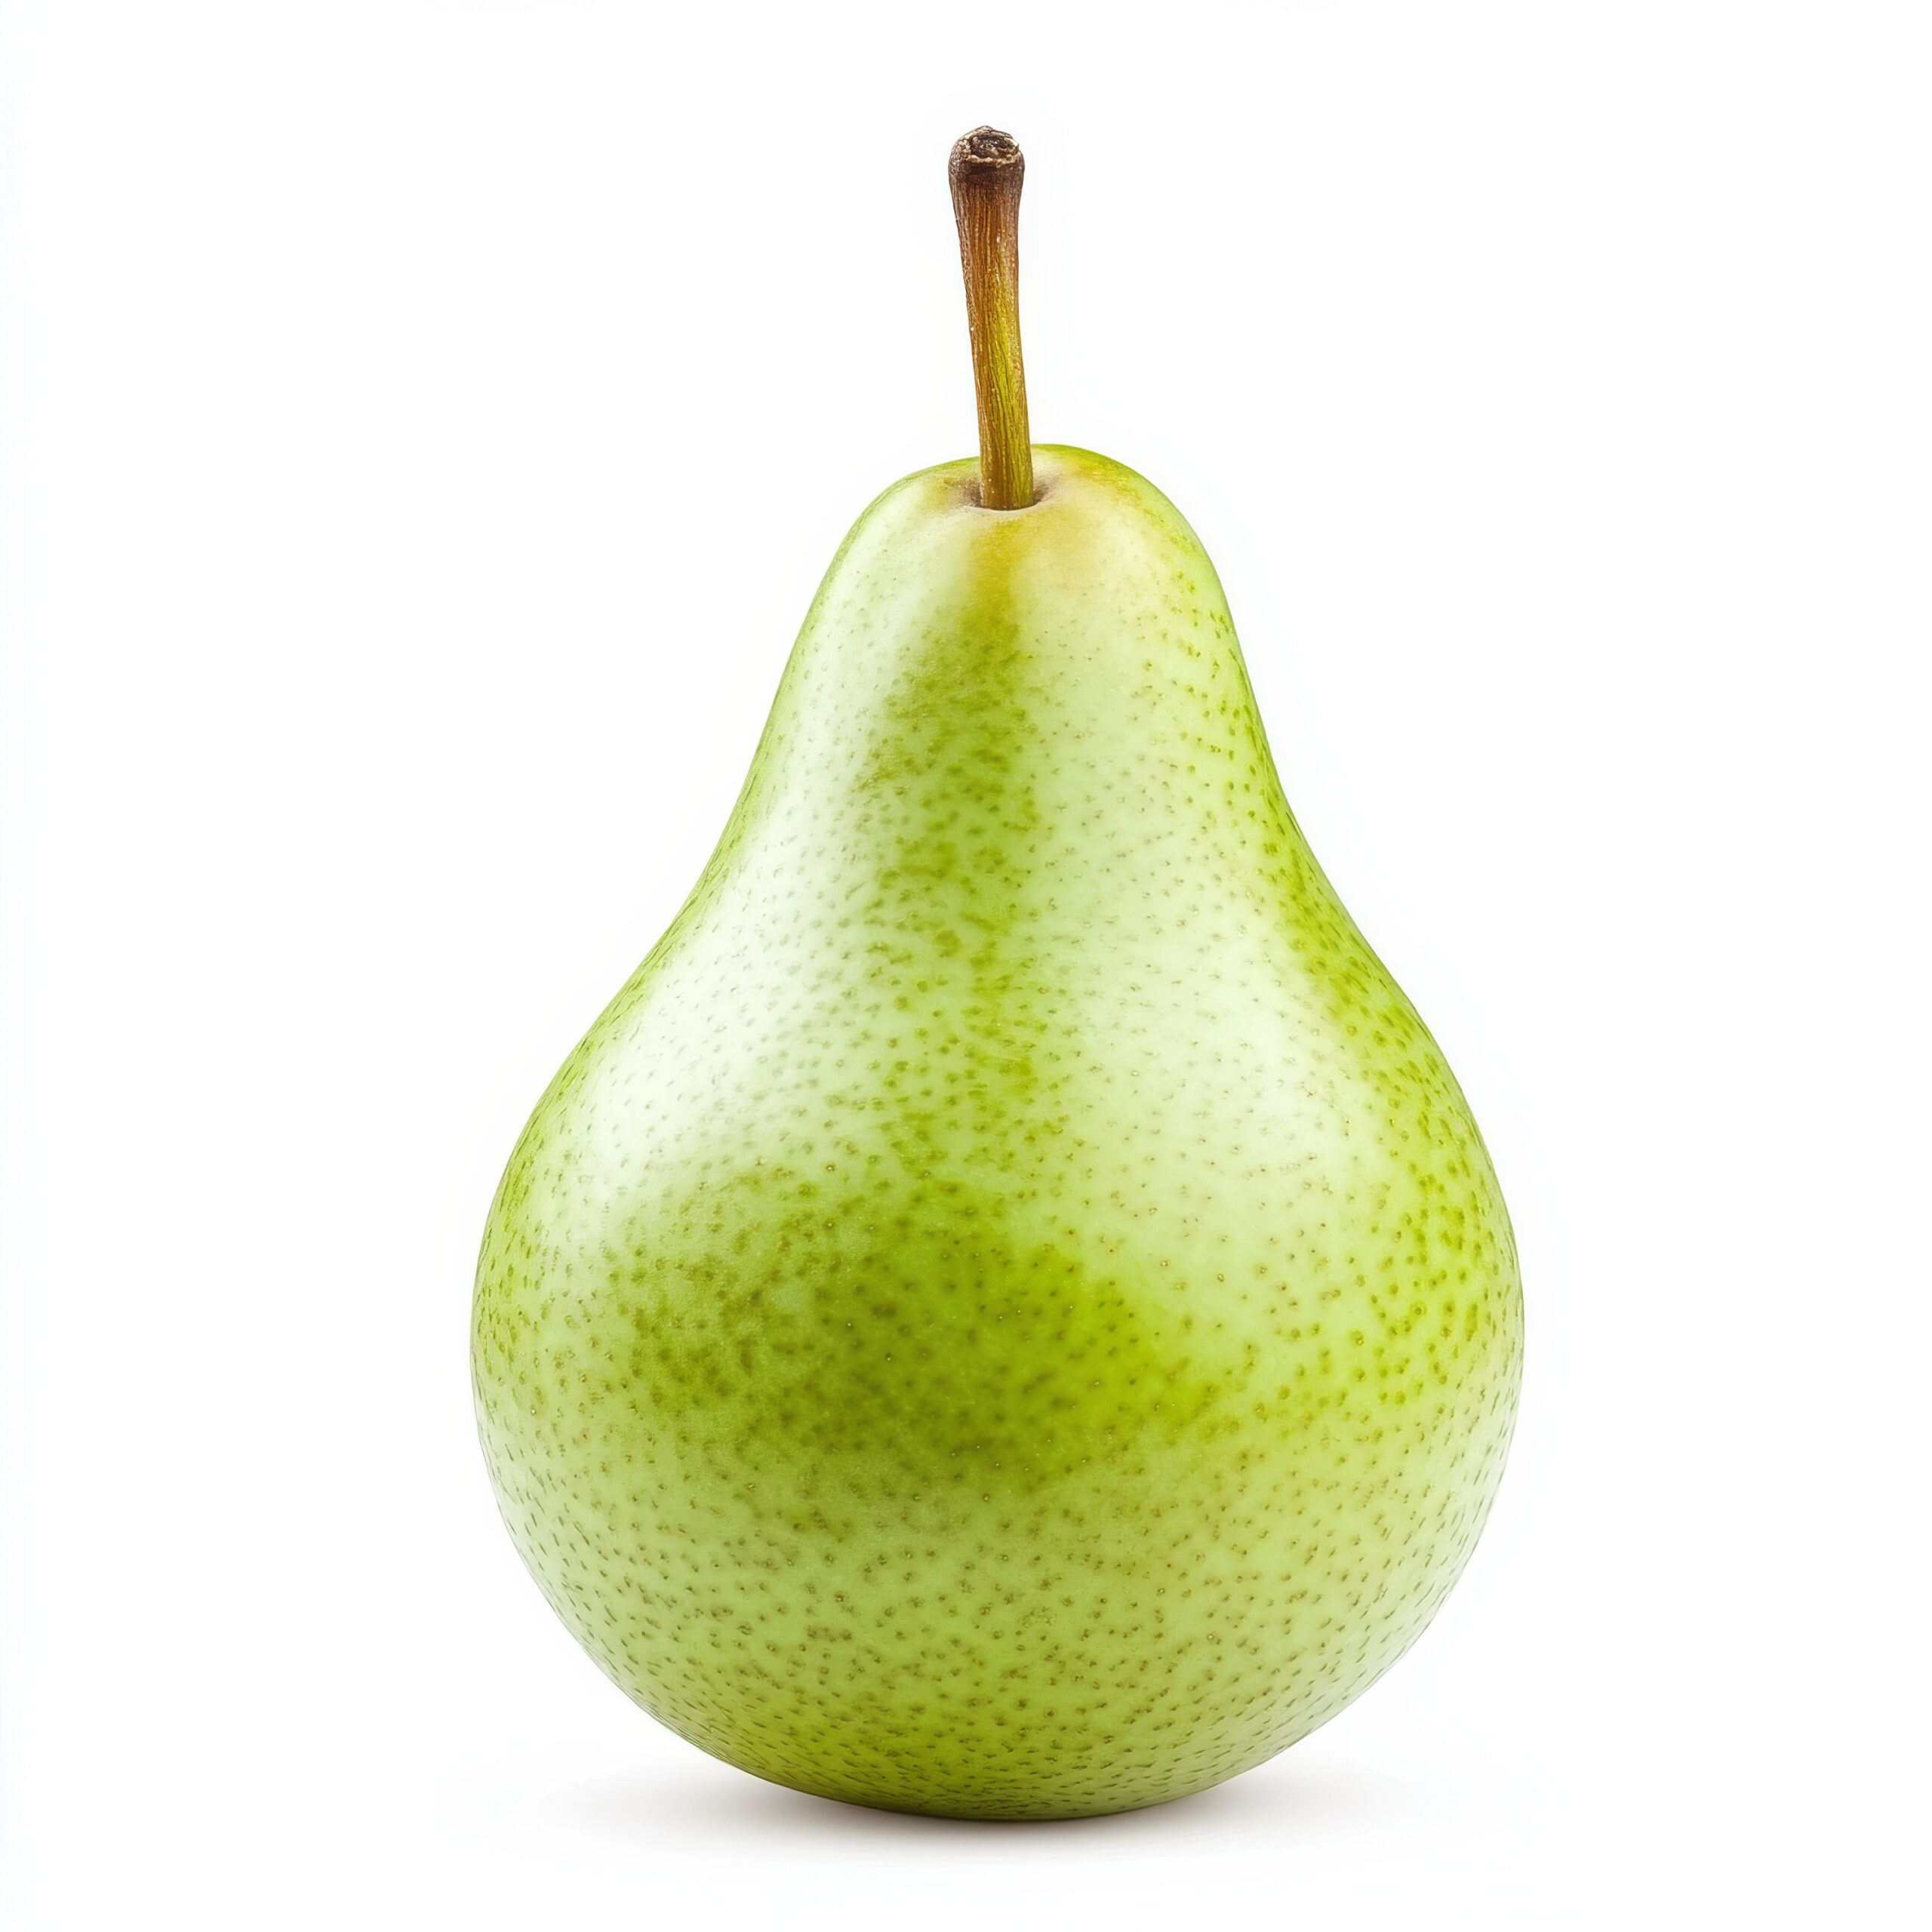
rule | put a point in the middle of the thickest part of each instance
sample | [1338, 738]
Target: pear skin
[1007, 1314]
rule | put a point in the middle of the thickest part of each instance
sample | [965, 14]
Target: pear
[1007, 1314]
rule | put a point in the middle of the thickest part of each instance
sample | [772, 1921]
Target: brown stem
[986, 170]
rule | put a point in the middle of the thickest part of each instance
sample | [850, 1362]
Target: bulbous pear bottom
[1064, 1625]
[999, 1684]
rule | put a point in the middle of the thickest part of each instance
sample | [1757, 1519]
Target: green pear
[1007, 1314]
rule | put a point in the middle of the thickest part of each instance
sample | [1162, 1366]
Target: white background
[427, 424]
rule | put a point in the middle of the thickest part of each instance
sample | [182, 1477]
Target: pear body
[1007, 1314]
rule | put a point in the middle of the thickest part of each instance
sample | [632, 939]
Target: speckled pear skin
[1007, 1314]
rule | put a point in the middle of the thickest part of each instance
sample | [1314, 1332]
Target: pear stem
[986, 170]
